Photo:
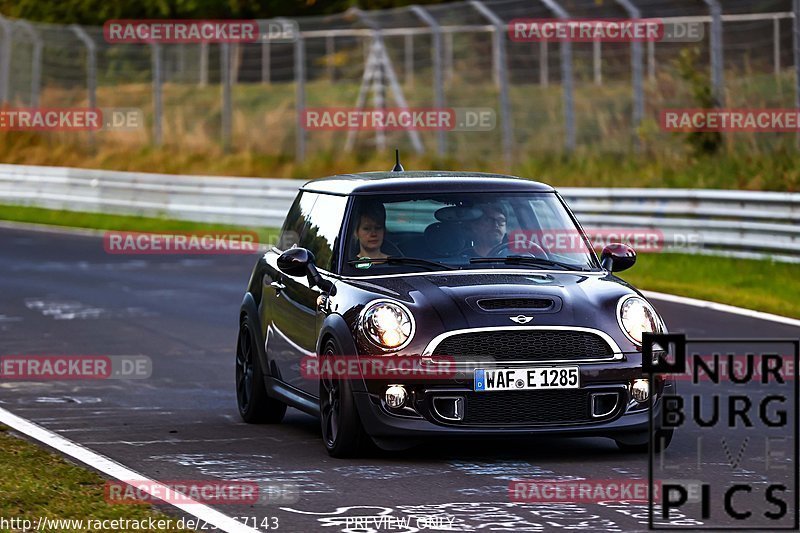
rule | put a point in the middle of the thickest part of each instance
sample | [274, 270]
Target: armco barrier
[738, 223]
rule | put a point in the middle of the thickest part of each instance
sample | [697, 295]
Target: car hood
[450, 301]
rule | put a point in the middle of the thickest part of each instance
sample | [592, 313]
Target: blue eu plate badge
[480, 383]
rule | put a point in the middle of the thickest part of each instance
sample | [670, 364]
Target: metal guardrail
[738, 223]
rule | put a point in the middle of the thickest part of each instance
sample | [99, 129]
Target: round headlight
[387, 324]
[636, 317]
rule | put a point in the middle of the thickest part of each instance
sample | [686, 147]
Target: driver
[489, 231]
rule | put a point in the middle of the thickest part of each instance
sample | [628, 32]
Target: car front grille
[527, 407]
[524, 345]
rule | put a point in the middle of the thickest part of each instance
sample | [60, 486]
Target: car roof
[423, 181]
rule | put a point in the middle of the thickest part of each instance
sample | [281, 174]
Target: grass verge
[101, 221]
[759, 285]
[35, 483]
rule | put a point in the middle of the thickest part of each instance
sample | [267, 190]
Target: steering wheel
[532, 249]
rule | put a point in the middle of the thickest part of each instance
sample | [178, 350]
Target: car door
[289, 317]
[296, 316]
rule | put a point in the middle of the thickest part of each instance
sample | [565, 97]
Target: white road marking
[117, 471]
[724, 308]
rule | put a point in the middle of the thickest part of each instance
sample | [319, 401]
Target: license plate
[539, 378]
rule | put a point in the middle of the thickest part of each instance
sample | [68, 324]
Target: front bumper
[518, 412]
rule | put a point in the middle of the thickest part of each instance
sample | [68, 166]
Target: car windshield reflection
[424, 232]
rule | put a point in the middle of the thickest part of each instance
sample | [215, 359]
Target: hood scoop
[516, 304]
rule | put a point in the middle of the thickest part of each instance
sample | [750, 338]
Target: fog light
[640, 390]
[395, 396]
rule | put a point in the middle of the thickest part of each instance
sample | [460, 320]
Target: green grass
[102, 221]
[36, 483]
[761, 285]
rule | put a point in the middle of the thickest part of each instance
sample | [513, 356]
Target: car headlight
[387, 324]
[636, 316]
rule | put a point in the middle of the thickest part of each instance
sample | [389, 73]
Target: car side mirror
[617, 257]
[298, 262]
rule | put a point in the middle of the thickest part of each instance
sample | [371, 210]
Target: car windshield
[465, 230]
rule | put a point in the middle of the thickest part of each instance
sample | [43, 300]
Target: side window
[296, 220]
[322, 235]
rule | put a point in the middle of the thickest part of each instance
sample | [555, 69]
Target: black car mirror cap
[295, 262]
[298, 262]
[617, 257]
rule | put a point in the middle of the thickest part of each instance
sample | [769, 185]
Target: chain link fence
[547, 96]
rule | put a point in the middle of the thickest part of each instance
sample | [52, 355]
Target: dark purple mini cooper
[399, 306]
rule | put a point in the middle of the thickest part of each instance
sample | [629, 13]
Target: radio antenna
[397, 166]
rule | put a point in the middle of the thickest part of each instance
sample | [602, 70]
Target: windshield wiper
[525, 260]
[401, 260]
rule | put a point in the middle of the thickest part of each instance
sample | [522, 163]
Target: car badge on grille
[521, 319]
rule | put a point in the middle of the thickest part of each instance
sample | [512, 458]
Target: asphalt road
[63, 295]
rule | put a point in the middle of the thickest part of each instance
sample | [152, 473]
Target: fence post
[91, 63]
[776, 45]
[636, 73]
[502, 76]
[448, 56]
[498, 39]
[226, 75]
[5, 59]
[300, 95]
[438, 85]
[181, 63]
[717, 82]
[409, 59]
[91, 69]
[265, 62]
[651, 60]
[157, 110]
[330, 49]
[596, 61]
[379, 101]
[544, 64]
[36, 60]
[566, 78]
[203, 64]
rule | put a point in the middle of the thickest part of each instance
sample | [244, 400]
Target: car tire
[342, 431]
[255, 405]
[663, 440]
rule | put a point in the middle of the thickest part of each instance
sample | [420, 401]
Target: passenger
[370, 230]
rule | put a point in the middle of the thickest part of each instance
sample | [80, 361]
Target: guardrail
[738, 223]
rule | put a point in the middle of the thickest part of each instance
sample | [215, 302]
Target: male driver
[489, 231]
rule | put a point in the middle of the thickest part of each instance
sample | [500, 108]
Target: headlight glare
[387, 324]
[636, 317]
